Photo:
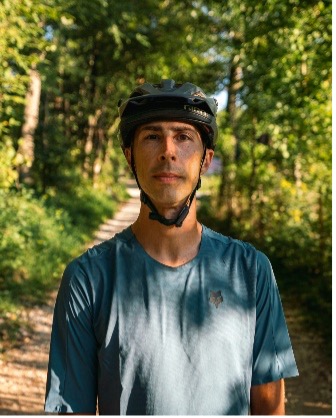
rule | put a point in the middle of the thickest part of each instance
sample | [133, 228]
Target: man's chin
[168, 195]
[169, 201]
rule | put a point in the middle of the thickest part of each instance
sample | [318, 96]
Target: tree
[26, 147]
[22, 46]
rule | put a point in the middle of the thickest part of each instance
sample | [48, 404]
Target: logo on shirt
[216, 298]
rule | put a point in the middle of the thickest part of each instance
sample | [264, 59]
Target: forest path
[23, 370]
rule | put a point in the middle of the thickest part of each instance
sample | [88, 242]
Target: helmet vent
[168, 85]
[200, 94]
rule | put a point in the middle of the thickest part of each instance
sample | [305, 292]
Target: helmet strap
[154, 214]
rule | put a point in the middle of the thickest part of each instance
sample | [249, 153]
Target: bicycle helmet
[168, 101]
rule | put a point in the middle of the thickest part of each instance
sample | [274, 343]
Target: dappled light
[65, 185]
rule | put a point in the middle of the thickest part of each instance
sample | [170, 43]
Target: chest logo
[216, 298]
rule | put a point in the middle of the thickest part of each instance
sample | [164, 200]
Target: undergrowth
[38, 236]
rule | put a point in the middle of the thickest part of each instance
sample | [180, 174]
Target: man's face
[167, 158]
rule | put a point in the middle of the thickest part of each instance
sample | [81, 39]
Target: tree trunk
[252, 180]
[225, 189]
[44, 142]
[234, 86]
[89, 144]
[98, 161]
[31, 113]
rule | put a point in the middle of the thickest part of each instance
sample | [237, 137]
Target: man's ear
[128, 156]
[207, 160]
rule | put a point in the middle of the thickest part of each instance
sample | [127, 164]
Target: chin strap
[154, 214]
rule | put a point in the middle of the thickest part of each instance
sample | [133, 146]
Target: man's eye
[152, 136]
[184, 137]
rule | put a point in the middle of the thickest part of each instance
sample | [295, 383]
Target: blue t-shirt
[148, 339]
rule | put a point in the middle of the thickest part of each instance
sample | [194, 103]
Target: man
[169, 317]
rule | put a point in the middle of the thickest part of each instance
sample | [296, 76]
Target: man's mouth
[166, 177]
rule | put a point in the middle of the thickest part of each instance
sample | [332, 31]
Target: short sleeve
[72, 370]
[273, 357]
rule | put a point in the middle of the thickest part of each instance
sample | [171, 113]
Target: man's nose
[168, 148]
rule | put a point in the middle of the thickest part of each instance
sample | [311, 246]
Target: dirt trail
[311, 392]
[23, 370]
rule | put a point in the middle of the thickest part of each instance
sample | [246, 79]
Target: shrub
[38, 237]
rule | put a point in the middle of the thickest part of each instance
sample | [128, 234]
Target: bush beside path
[23, 369]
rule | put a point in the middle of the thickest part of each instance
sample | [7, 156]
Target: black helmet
[168, 101]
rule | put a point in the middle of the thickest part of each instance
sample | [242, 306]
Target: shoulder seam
[229, 240]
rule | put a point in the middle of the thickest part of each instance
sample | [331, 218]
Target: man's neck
[170, 245]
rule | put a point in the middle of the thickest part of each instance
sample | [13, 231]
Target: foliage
[84, 206]
[38, 238]
[22, 47]
[275, 141]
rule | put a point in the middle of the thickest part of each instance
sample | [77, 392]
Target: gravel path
[23, 370]
[311, 392]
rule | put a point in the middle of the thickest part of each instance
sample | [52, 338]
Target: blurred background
[64, 64]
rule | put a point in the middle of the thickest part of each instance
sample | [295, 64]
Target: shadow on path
[311, 392]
